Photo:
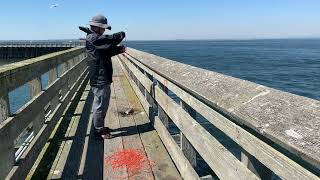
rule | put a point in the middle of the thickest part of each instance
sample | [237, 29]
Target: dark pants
[100, 105]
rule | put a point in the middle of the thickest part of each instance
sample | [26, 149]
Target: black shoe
[103, 133]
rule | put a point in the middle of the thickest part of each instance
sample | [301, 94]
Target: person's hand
[122, 48]
[123, 34]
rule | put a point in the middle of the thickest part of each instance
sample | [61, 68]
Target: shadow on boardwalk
[84, 158]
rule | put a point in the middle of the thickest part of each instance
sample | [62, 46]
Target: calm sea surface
[289, 65]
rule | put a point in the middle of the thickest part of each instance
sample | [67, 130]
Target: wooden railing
[41, 43]
[277, 132]
[67, 70]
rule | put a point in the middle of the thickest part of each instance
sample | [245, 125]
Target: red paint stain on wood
[133, 160]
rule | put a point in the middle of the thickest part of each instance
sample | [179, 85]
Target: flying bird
[54, 6]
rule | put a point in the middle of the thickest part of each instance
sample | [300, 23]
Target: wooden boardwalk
[275, 133]
[135, 151]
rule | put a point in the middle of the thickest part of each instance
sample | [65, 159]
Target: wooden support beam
[255, 166]
[35, 89]
[186, 147]
[4, 106]
[53, 75]
[7, 150]
[161, 113]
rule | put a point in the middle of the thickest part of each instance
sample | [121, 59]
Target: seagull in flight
[54, 6]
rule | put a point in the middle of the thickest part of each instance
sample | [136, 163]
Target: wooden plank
[35, 88]
[147, 107]
[33, 170]
[222, 162]
[90, 164]
[163, 167]
[289, 120]
[114, 145]
[147, 83]
[186, 146]
[280, 164]
[84, 157]
[274, 160]
[12, 127]
[60, 168]
[30, 155]
[128, 56]
[255, 166]
[7, 149]
[185, 168]
[182, 163]
[131, 138]
[17, 74]
[53, 75]
[73, 161]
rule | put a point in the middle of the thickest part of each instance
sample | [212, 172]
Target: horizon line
[191, 39]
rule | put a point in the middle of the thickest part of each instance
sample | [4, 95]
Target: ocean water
[291, 65]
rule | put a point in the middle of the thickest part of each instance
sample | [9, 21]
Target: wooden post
[162, 115]
[65, 67]
[53, 75]
[72, 78]
[35, 89]
[145, 90]
[186, 147]
[65, 88]
[255, 166]
[4, 106]
[7, 157]
[6, 146]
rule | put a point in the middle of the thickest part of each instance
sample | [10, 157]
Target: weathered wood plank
[114, 145]
[7, 147]
[162, 165]
[33, 170]
[17, 74]
[147, 83]
[186, 146]
[274, 160]
[131, 138]
[289, 120]
[59, 169]
[4, 106]
[263, 152]
[12, 127]
[222, 162]
[53, 75]
[30, 155]
[35, 88]
[255, 166]
[77, 107]
[182, 163]
[147, 107]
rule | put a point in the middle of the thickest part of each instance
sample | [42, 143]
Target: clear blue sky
[163, 19]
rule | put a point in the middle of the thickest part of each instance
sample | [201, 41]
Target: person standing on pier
[100, 48]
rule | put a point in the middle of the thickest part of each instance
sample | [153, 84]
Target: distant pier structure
[31, 49]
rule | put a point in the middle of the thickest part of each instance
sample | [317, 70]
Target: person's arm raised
[107, 41]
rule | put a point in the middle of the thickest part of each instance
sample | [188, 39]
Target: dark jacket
[100, 49]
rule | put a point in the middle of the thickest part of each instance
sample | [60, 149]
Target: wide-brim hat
[100, 21]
